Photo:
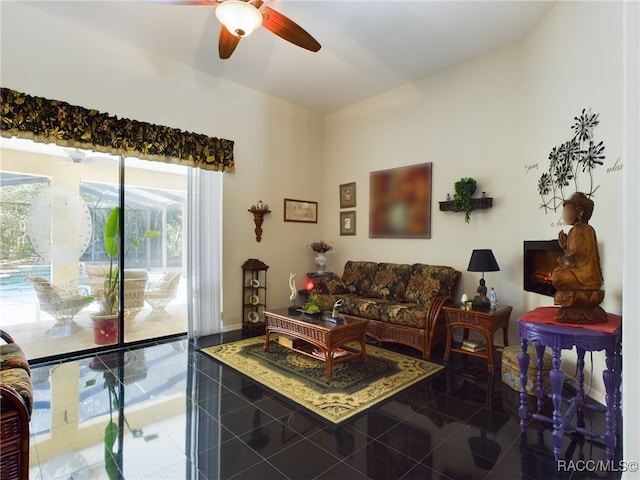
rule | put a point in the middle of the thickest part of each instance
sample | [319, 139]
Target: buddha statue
[481, 299]
[578, 276]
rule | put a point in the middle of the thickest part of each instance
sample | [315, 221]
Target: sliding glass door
[155, 225]
[55, 259]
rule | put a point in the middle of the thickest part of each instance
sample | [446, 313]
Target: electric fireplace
[540, 258]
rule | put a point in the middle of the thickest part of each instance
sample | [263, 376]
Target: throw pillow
[330, 284]
[422, 289]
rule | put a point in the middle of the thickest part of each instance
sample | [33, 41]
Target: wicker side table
[485, 322]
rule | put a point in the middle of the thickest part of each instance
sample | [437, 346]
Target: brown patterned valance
[52, 121]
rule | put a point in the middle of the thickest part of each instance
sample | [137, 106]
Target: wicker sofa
[402, 302]
[16, 404]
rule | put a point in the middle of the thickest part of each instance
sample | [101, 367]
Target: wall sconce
[259, 211]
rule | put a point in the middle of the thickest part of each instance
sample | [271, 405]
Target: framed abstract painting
[400, 202]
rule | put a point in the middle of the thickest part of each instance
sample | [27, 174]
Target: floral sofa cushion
[390, 281]
[15, 372]
[364, 306]
[358, 277]
[409, 314]
[12, 356]
[448, 277]
[330, 283]
[20, 380]
[421, 289]
[406, 314]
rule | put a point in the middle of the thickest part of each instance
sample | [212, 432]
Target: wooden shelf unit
[254, 285]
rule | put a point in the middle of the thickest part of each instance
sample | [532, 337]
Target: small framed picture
[348, 223]
[348, 195]
[300, 211]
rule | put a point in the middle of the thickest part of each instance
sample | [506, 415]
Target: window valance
[53, 121]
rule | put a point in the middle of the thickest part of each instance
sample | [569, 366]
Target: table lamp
[482, 260]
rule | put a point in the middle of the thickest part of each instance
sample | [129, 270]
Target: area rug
[353, 389]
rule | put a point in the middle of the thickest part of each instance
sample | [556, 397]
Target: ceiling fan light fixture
[240, 18]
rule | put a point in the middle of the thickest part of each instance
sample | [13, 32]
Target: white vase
[321, 262]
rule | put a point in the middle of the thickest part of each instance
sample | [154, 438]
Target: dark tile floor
[185, 416]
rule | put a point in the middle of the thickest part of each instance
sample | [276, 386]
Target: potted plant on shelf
[464, 190]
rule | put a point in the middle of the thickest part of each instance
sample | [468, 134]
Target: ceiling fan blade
[185, 2]
[227, 42]
[288, 30]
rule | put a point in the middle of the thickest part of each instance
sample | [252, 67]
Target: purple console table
[538, 325]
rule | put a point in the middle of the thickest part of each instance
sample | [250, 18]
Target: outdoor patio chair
[160, 294]
[61, 303]
[94, 277]
[135, 283]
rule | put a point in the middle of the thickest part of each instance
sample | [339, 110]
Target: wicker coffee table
[320, 332]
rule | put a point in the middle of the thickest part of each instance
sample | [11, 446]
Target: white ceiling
[368, 47]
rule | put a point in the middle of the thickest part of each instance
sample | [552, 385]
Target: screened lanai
[147, 209]
[54, 203]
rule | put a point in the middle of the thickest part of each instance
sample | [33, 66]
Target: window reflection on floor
[185, 415]
[75, 402]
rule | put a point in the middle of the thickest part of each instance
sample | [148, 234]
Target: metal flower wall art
[571, 164]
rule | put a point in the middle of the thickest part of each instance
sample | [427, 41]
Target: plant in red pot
[105, 323]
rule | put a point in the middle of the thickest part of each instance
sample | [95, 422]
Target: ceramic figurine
[292, 287]
[294, 293]
[336, 307]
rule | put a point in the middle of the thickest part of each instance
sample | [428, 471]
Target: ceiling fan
[241, 17]
[76, 155]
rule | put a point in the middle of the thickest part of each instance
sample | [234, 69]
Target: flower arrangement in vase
[321, 248]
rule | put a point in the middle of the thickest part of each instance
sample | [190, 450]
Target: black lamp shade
[483, 261]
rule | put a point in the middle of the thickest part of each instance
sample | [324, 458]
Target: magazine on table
[338, 352]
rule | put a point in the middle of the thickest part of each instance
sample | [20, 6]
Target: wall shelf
[476, 204]
[254, 294]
